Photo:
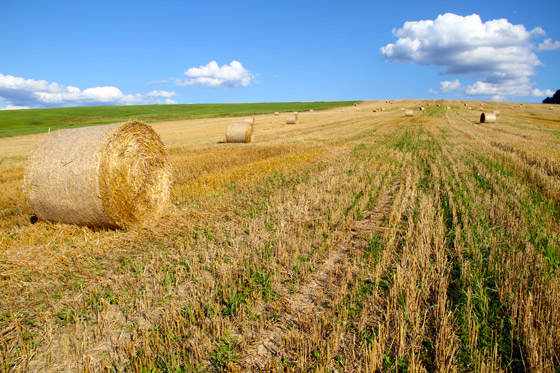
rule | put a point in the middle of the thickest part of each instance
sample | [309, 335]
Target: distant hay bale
[448, 108]
[465, 104]
[311, 110]
[291, 120]
[110, 176]
[239, 132]
[355, 104]
[480, 109]
[496, 112]
[487, 118]
[469, 108]
[276, 113]
[375, 110]
[408, 113]
[422, 108]
[402, 109]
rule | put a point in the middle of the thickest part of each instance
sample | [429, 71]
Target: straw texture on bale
[408, 113]
[239, 132]
[487, 118]
[110, 176]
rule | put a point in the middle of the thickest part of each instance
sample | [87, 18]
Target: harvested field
[354, 241]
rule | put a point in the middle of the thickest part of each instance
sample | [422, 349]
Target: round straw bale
[110, 176]
[276, 113]
[422, 108]
[487, 118]
[291, 120]
[311, 110]
[469, 108]
[408, 113]
[496, 112]
[239, 132]
[448, 108]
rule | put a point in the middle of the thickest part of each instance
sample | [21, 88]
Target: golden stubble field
[352, 241]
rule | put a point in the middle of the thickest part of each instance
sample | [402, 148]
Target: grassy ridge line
[25, 122]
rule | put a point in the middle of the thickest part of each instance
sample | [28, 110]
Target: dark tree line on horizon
[554, 100]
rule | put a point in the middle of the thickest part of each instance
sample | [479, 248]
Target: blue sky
[75, 53]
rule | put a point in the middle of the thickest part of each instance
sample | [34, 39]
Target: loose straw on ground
[110, 176]
[240, 132]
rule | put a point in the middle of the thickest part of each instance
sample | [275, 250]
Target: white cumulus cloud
[157, 96]
[448, 86]
[233, 75]
[542, 93]
[20, 92]
[497, 53]
[548, 45]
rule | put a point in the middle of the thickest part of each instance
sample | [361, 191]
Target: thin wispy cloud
[500, 56]
[20, 93]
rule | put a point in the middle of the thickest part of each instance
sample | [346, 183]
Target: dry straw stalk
[240, 132]
[111, 176]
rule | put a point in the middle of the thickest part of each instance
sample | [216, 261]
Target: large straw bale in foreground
[240, 132]
[111, 176]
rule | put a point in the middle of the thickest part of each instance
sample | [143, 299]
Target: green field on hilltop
[24, 122]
